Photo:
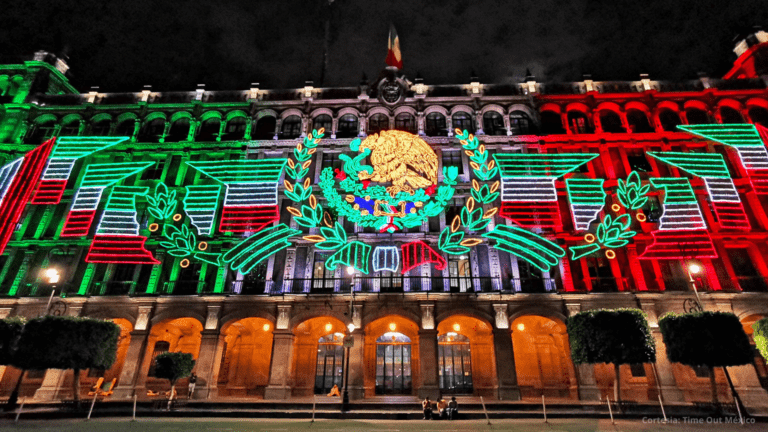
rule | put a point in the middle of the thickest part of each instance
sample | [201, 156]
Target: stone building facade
[429, 316]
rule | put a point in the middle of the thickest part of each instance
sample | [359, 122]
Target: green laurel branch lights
[533, 248]
[163, 204]
[611, 234]
[632, 194]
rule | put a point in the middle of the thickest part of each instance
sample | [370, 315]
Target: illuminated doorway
[330, 363]
[455, 364]
[393, 364]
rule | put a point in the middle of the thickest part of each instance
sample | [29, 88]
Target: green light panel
[540, 165]
[707, 165]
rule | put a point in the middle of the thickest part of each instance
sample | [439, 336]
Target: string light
[533, 248]
[417, 253]
[587, 200]
[62, 160]
[720, 188]
[528, 193]
[250, 200]
[247, 254]
[96, 178]
[201, 204]
[680, 208]
[386, 258]
[17, 183]
[354, 254]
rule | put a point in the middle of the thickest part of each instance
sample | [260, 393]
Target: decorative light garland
[587, 200]
[201, 203]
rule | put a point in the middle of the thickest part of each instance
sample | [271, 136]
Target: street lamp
[345, 398]
[693, 269]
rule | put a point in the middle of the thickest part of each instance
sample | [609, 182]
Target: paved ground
[201, 425]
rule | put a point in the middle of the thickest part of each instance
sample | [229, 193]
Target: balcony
[183, 287]
[751, 283]
[248, 287]
[113, 288]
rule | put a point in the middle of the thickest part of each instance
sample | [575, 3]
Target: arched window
[669, 120]
[405, 122]
[520, 123]
[493, 123]
[729, 115]
[611, 122]
[126, 127]
[330, 363]
[40, 132]
[179, 131]
[463, 121]
[235, 129]
[323, 121]
[393, 364]
[70, 129]
[291, 127]
[551, 123]
[436, 125]
[454, 363]
[152, 130]
[209, 130]
[377, 123]
[579, 123]
[264, 128]
[101, 127]
[348, 126]
[638, 121]
[759, 115]
[696, 116]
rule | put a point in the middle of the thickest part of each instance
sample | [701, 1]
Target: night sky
[174, 45]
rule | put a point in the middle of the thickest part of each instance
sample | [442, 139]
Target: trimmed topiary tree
[616, 336]
[69, 343]
[761, 336]
[709, 339]
[10, 333]
[173, 366]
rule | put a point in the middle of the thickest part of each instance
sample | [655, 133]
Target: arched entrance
[173, 335]
[244, 369]
[318, 355]
[391, 356]
[465, 361]
[542, 357]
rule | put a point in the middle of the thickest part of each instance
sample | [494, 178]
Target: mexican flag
[394, 58]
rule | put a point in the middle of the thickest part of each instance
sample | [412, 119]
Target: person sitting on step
[334, 391]
[453, 408]
[427, 406]
[442, 406]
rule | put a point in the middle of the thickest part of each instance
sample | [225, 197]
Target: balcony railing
[184, 287]
[113, 288]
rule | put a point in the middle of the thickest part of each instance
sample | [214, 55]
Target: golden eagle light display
[401, 158]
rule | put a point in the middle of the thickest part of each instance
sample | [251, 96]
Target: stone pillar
[207, 365]
[428, 361]
[133, 357]
[505, 364]
[357, 366]
[131, 365]
[280, 369]
[670, 392]
[53, 379]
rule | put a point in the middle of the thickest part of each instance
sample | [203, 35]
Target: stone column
[505, 364]
[134, 356]
[357, 366]
[53, 379]
[670, 392]
[428, 361]
[748, 386]
[131, 365]
[585, 376]
[280, 369]
[208, 362]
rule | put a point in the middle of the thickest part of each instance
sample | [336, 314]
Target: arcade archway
[244, 369]
[317, 359]
[466, 361]
[391, 356]
[91, 377]
[542, 358]
[173, 335]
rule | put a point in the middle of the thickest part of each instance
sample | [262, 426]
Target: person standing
[192, 381]
[427, 406]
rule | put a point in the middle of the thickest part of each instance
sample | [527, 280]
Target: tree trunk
[617, 385]
[14, 399]
[76, 387]
[713, 386]
[170, 396]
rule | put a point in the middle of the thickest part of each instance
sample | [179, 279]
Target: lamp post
[693, 269]
[345, 398]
